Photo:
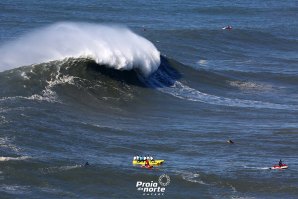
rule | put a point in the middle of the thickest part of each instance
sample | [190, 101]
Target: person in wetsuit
[147, 163]
[230, 142]
[280, 163]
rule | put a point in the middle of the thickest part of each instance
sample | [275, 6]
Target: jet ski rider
[280, 163]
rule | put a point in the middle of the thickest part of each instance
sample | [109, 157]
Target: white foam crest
[24, 75]
[47, 94]
[111, 45]
[250, 86]
[2, 119]
[185, 92]
[14, 189]
[192, 177]
[7, 143]
[2, 159]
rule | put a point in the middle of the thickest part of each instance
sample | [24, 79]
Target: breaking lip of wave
[111, 45]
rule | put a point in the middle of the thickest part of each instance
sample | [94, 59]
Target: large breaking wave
[85, 50]
[110, 45]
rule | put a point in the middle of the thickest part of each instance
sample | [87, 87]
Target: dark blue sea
[104, 81]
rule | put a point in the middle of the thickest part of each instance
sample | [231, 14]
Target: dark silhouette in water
[227, 27]
[230, 142]
[86, 164]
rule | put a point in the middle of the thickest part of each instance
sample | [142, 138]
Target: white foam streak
[58, 169]
[192, 177]
[184, 92]
[14, 189]
[2, 159]
[7, 143]
[115, 46]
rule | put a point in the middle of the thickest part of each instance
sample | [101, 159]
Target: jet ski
[227, 28]
[283, 166]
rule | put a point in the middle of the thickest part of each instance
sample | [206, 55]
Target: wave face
[113, 46]
[109, 86]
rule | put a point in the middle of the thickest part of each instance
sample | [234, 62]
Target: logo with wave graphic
[153, 188]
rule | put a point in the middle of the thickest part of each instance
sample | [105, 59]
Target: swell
[84, 81]
[244, 10]
[218, 37]
[227, 10]
[211, 88]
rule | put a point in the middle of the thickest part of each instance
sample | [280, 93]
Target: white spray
[114, 46]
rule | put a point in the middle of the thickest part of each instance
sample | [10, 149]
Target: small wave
[58, 191]
[2, 119]
[50, 170]
[184, 92]
[250, 86]
[113, 46]
[47, 95]
[227, 10]
[202, 62]
[164, 82]
[14, 189]
[192, 177]
[2, 159]
[7, 143]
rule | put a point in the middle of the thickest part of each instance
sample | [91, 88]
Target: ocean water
[103, 81]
